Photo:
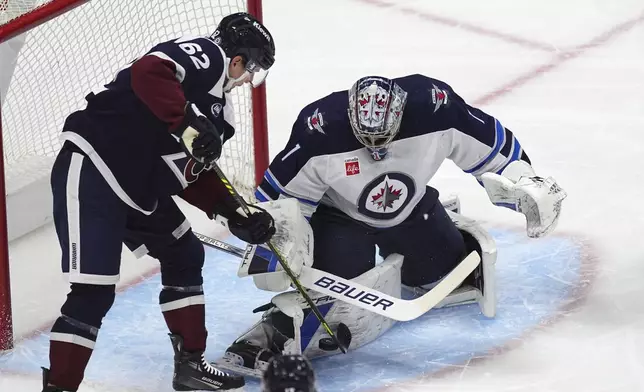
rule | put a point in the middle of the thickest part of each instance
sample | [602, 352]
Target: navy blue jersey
[323, 162]
[126, 127]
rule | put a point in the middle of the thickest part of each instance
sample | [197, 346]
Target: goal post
[70, 48]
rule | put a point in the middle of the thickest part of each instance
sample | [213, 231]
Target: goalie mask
[240, 34]
[375, 112]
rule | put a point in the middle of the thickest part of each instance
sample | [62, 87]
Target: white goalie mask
[376, 107]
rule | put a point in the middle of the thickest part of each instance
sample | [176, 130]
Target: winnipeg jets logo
[316, 122]
[439, 97]
[386, 195]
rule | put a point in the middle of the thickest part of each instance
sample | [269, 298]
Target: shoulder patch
[315, 122]
[439, 97]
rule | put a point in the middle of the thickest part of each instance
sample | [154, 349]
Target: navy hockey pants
[428, 239]
[92, 224]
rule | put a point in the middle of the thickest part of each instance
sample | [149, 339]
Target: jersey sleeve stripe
[516, 154]
[506, 151]
[498, 144]
[180, 72]
[267, 190]
[260, 196]
[268, 176]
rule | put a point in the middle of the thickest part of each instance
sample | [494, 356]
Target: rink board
[538, 281]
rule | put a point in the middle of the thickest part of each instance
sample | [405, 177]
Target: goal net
[76, 47]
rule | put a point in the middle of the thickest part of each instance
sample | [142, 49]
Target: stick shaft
[242, 203]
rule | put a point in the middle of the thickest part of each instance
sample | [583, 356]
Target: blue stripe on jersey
[267, 190]
[311, 324]
[271, 180]
[260, 196]
[516, 154]
[498, 144]
[517, 151]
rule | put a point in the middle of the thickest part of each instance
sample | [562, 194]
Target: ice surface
[538, 282]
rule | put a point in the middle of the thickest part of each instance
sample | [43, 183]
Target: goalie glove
[520, 189]
[198, 136]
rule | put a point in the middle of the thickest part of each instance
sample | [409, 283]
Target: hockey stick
[242, 203]
[367, 298]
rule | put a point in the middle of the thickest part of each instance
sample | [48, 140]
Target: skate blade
[226, 364]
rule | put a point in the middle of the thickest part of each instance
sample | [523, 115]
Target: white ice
[565, 76]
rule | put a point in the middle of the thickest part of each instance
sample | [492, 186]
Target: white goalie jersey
[323, 162]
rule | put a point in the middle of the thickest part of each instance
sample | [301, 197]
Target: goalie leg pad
[480, 287]
[290, 327]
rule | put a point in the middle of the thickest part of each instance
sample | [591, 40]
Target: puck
[327, 344]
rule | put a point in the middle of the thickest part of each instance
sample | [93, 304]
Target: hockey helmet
[375, 112]
[292, 373]
[241, 34]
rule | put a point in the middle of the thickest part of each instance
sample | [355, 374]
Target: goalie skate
[246, 359]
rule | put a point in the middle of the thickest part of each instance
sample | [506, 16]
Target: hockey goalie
[349, 189]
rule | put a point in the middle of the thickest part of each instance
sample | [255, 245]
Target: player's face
[242, 74]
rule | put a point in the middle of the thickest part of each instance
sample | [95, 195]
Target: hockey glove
[520, 189]
[198, 136]
[257, 228]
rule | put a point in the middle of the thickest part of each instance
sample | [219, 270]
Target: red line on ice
[466, 26]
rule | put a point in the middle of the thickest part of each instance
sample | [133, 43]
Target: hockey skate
[272, 335]
[45, 381]
[193, 373]
[246, 358]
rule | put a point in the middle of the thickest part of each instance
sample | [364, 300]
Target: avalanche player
[149, 134]
[358, 161]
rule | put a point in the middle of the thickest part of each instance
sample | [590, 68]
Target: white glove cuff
[517, 169]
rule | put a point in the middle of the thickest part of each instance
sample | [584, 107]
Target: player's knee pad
[182, 262]
[89, 303]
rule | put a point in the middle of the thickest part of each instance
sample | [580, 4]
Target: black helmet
[291, 373]
[240, 34]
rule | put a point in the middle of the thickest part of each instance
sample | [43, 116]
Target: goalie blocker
[359, 307]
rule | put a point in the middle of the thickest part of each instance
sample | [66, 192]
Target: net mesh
[11, 9]
[65, 58]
